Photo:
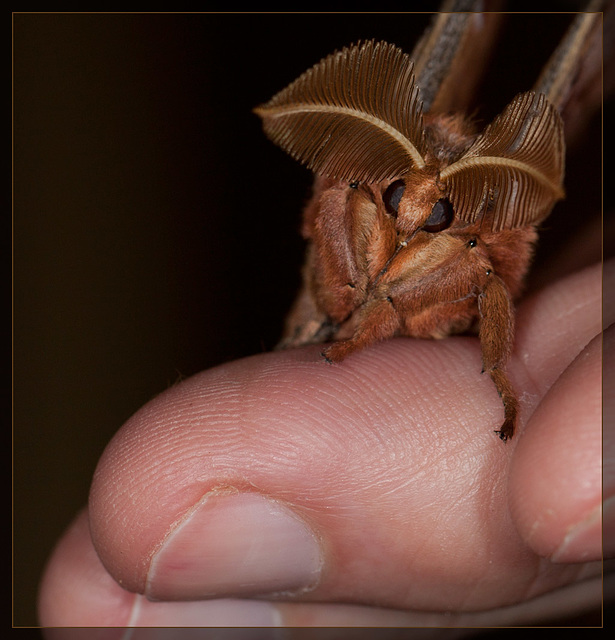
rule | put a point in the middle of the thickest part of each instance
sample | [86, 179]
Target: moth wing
[451, 56]
[513, 173]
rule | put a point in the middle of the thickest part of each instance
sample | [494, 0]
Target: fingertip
[75, 590]
[554, 325]
[79, 599]
[555, 476]
[381, 444]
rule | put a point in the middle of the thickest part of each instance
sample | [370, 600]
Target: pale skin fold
[416, 523]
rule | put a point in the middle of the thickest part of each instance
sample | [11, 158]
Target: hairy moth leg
[305, 324]
[509, 399]
[379, 321]
[496, 332]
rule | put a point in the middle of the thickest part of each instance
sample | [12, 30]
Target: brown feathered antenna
[353, 116]
[514, 170]
[356, 116]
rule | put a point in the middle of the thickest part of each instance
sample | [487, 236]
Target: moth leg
[509, 399]
[379, 321]
[496, 335]
[305, 324]
[440, 321]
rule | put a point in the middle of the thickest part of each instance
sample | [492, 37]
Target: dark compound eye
[392, 195]
[441, 216]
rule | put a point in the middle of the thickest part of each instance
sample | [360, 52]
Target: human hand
[277, 490]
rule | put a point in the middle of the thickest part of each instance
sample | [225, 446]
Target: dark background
[155, 229]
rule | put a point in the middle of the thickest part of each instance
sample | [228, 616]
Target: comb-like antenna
[353, 116]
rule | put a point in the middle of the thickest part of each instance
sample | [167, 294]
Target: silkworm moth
[419, 224]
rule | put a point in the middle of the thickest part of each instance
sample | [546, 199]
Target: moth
[420, 224]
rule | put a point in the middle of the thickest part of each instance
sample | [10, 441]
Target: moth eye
[441, 216]
[392, 195]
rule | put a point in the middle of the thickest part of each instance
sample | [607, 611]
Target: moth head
[357, 116]
[418, 202]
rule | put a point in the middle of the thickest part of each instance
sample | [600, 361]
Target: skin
[421, 515]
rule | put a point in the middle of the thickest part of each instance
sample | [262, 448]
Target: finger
[608, 452]
[556, 475]
[377, 480]
[283, 474]
[554, 325]
[78, 592]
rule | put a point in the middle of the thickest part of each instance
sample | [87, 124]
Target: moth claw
[506, 431]
[327, 359]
